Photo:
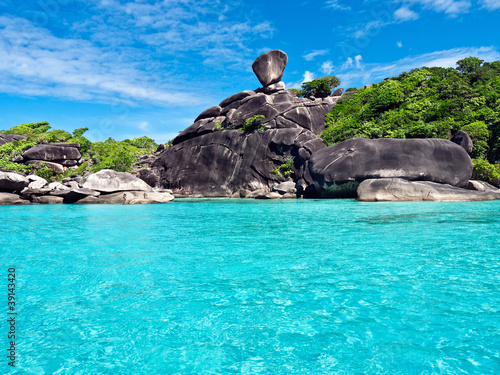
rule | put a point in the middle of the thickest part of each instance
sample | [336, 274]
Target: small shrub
[253, 123]
[44, 172]
[484, 171]
[218, 126]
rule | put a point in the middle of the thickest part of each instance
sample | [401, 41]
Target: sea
[230, 286]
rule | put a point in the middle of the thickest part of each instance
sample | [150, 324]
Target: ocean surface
[226, 286]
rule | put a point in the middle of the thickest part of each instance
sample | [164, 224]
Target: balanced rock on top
[269, 67]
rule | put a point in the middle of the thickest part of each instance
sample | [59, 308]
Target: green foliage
[253, 123]
[425, 103]
[218, 126]
[79, 132]
[297, 91]
[9, 151]
[482, 170]
[29, 128]
[142, 142]
[319, 87]
[110, 154]
[45, 172]
[285, 169]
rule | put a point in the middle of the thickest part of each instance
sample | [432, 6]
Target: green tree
[320, 87]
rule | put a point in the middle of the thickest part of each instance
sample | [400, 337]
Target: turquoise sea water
[254, 287]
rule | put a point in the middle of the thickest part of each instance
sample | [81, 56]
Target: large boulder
[8, 138]
[337, 170]
[223, 162]
[397, 189]
[57, 152]
[11, 181]
[128, 197]
[269, 67]
[9, 198]
[109, 181]
[463, 139]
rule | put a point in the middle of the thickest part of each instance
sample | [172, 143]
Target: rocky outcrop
[8, 138]
[397, 189]
[36, 190]
[11, 181]
[56, 156]
[269, 67]
[462, 139]
[339, 169]
[109, 181]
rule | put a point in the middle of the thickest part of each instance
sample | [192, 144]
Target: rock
[109, 181]
[56, 167]
[256, 193]
[338, 92]
[462, 139]
[269, 67]
[73, 185]
[9, 198]
[53, 152]
[148, 176]
[57, 186]
[8, 138]
[286, 187]
[481, 186]
[36, 182]
[236, 97]
[11, 181]
[274, 87]
[27, 192]
[46, 199]
[75, 195]
[210, 112]
[269, 195]
[337, 170]
[397, 189]
[160, 147]
[128, 197]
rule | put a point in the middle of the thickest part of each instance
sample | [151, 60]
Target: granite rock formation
[269, 67]
[339, 169]
[397, 189]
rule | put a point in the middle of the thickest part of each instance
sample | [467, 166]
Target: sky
[125, 69]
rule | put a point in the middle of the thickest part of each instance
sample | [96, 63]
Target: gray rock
[56, 167]
[337, 170]
[53, 152]
[396, 189]
[149, 176]
[11, 181]
[481, 186]
[269, 67]
[210, 112]
[286, 187]
[8, 138]
[73, 185]
[75, 195]
[129, 197]
[236, 97]
[463, 139]
[109, 181]
[36, 182]
[269, 195]
[9, 198]
[57, 186]
[46, 199]
[338, 92]
[274, 87]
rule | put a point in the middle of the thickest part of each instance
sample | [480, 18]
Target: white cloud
[399, 44]
[327, 67]
[348, 63]
[405, 14]
[37, 63]
[334, 4]
[144, 125]
[374, 72]
[313, 54]
[308, 76]
[450, 7]
[491, 4]
[357, 60]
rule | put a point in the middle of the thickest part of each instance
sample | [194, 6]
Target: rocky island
[262, 143]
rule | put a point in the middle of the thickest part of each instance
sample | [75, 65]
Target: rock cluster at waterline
[105, 186]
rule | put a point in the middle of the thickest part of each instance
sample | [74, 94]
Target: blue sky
[130, 68]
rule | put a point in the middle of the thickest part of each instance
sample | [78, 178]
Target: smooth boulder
[11, 181]
[397, 189]
[109, 181]
[337, 170]
[9, 198]
[269, 67]
[53, 152]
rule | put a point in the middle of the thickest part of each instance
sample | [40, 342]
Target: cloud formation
[313, 54]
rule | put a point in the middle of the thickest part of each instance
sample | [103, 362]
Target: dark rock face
[10, 181]
[462, 139]
[269, 67]
[9, 198]
[397, 189]
[210, 112]
[337, 170]
[7, 138]
[223, 162]
[338, 92]
[53, 152]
